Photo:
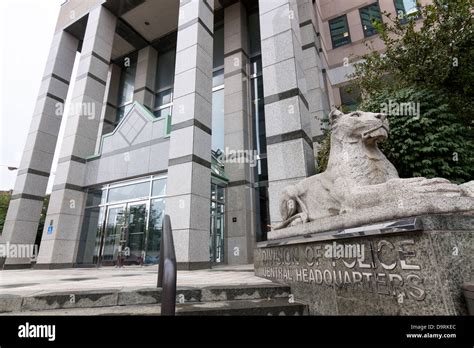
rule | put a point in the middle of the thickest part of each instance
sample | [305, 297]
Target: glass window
[254, 33]
[258, 112]
[127, 85]
[220, 194]
[132, 191]
[164, 98]
[165, 69]
[218, 47]
[406, 8]
[164, 83]
[218, 120]
[155, 225]
[263, 224]
[218, 78]
[95, 197]
[162, 112]
[339, 31]
[159, 188]
[369, 15]
[122, 111]
[90, 236]
[350, 97]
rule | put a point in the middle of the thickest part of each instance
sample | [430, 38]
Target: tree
[4, 202]
[427, 61]
[433, 52]
[431, 144]
[42, 220]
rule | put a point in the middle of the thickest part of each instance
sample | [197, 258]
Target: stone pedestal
[412, 266]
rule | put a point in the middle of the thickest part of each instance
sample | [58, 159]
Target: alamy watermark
[344, 251]
[19, 251]
[394, 108]
[239, 156]
[82, 109]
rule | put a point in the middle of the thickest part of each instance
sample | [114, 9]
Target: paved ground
[33, 282]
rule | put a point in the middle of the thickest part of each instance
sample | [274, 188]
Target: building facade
[201, 109]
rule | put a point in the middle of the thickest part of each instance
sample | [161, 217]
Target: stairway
[268, 299]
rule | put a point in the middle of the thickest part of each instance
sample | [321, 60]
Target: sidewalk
[35, 282]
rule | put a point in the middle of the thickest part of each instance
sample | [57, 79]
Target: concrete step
[138, 296]
[271, 307]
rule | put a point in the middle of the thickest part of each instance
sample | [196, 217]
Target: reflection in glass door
[217, 232]
[124, 235]
[134, 241]
[114, 228]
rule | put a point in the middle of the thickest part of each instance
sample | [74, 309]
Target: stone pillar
[25, 207]
[189, 175]
[145, 77]
[59, 246]
[239, 209]
[287, 120]
[316, 92]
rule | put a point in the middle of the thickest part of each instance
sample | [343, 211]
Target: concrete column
[59, 248]
[145, 77]
[287, 120]
[189, 175]
[316, 91]
[25, 207]
[240, 214]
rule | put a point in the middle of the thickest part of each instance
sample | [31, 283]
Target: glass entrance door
[124, 234]
[114, 228]
[135, 233]
[217, 232]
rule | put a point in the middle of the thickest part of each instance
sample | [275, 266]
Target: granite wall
[383, 271]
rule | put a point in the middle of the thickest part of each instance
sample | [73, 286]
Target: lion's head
[355, 126]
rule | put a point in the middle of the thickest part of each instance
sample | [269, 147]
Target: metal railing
[167, 270]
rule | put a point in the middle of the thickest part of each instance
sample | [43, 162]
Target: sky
[26, 32]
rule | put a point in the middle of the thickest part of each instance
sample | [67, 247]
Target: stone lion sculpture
[358, 175]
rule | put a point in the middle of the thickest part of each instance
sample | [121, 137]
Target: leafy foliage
[433, 144]
[434, 52]
[4, 201]
[427, 60]
[323, 152]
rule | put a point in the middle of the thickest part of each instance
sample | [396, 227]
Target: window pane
[162, 112]
[155, 224]
[129, 192]
[406, 6]
[258, 112]
[213, 191]
[254, 33]
[94, 198]
[220, 194]
[218, 78]
[368, 15]
[218, 47]
[218, 120]
[350, 97]
[90, 236]
[122, 111]
[163, 98]
[127, 79]
[165, 70]
[159, 188]
[339, 31]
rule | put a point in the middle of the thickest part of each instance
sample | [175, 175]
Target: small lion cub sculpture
[358, 174]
